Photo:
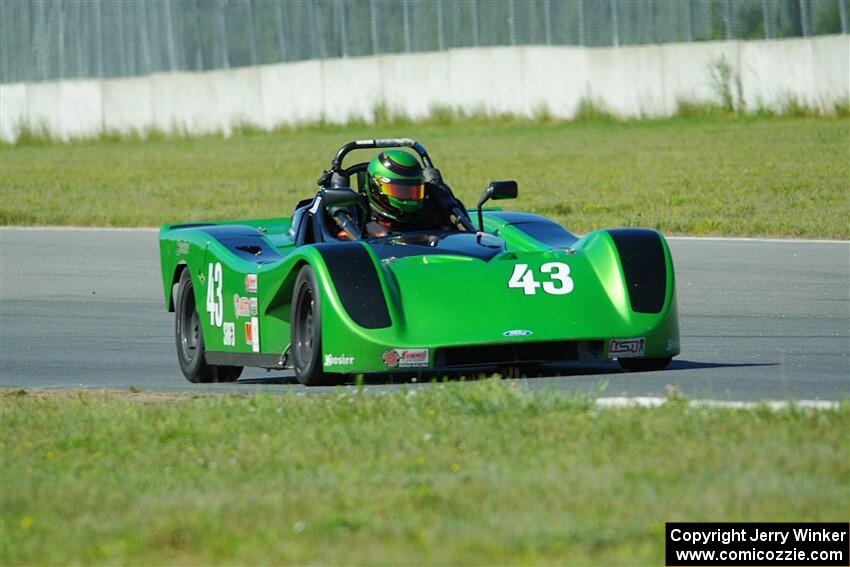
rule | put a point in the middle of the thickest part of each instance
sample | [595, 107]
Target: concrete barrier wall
[627, 81]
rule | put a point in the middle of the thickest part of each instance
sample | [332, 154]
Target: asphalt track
[760, 319]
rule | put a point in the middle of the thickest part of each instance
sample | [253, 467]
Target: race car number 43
[560, 282]
[215, 303]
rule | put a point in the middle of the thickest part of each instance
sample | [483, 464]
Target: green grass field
[768, 176]
[484, 473]
[460, 473]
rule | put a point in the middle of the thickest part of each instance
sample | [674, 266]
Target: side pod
[642, 257]
[355, 278]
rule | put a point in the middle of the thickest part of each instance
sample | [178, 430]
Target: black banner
[821, 544]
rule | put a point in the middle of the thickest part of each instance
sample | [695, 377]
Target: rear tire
[306, 331]
[189, 337]
[644, 364]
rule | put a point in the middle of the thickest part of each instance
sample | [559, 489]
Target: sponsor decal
[626, 348]
[255, 335]
[242, 306]
[229, 334]
[406, 357]
[338, 360]
[390, 358]
[253, 306]
[251, 283]
[517, 333]
[672, 344]
[252, 334]
[182, 247]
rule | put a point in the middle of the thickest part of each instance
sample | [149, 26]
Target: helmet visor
[408, 192]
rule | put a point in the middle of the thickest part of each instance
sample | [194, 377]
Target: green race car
[319, 293]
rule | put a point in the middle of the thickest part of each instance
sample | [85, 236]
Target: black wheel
[306, 331]
[190, 339]
[643, 364]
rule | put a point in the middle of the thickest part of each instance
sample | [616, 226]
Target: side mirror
[497, 190]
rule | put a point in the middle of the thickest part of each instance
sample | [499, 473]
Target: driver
[397, 198]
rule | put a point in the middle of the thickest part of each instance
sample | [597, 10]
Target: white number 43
[215, 304]
[560, 282]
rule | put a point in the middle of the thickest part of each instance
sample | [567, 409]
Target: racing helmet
[396, 186]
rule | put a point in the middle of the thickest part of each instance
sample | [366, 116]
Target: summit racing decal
[338, 360]
[406, 357]
[627, 348]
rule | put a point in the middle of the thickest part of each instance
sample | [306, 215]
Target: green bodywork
[434, 301]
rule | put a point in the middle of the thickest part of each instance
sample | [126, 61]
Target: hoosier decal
[338, 360]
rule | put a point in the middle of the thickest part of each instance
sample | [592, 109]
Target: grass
[705, 173]
[484, 473]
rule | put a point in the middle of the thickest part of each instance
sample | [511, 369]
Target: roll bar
[336, 164]
[334, 177]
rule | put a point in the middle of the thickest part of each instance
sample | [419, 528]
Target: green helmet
[396, 188]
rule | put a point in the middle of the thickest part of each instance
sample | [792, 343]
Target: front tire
[306, 331]
[189, 338]
[644, 364]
